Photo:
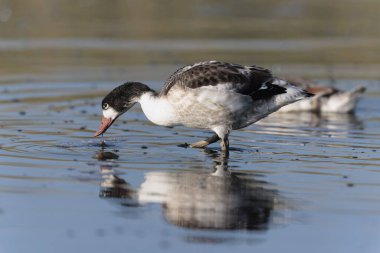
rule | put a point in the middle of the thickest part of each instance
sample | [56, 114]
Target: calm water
[293, 183]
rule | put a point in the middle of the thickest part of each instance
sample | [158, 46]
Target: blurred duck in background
[326, 99]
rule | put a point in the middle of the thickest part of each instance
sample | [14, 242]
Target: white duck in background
[210, 95]
[326, 99]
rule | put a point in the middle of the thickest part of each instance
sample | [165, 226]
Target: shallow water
[292, 183]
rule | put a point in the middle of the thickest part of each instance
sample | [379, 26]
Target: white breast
[158, 110]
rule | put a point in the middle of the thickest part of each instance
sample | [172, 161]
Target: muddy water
[294, 182]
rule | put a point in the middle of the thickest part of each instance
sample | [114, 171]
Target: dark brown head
[119, 101]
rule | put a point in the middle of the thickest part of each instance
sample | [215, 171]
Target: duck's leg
[225, 144]
[223, 132]
[204, 143]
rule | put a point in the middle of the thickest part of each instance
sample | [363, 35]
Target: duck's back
[220, 75]
[208, 94]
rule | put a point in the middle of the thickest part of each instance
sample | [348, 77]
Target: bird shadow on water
[213, 198]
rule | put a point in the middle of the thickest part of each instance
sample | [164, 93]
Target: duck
[208, 95]
[326, 99]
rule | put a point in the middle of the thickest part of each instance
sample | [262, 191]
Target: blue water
[292, 183]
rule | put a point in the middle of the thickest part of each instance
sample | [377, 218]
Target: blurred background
[95, 40]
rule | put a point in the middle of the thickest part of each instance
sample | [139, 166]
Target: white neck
[158, 109]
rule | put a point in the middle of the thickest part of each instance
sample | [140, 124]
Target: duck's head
[119, 101]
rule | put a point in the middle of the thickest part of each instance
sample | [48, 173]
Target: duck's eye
[105, 106]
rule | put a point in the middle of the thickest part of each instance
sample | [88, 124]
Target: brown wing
[242, 79]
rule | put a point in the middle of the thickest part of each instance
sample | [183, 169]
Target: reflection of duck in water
[326, 99]
[113, 186]
[203, 200]
[207, 201]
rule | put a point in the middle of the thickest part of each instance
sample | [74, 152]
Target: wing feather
[241, 79]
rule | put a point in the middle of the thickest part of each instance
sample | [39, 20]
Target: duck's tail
[275, 94]
[292, 94]
[358, 90]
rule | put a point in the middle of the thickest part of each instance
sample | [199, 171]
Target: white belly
[206, 108]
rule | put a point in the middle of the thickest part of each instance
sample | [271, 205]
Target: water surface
[293, 182]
